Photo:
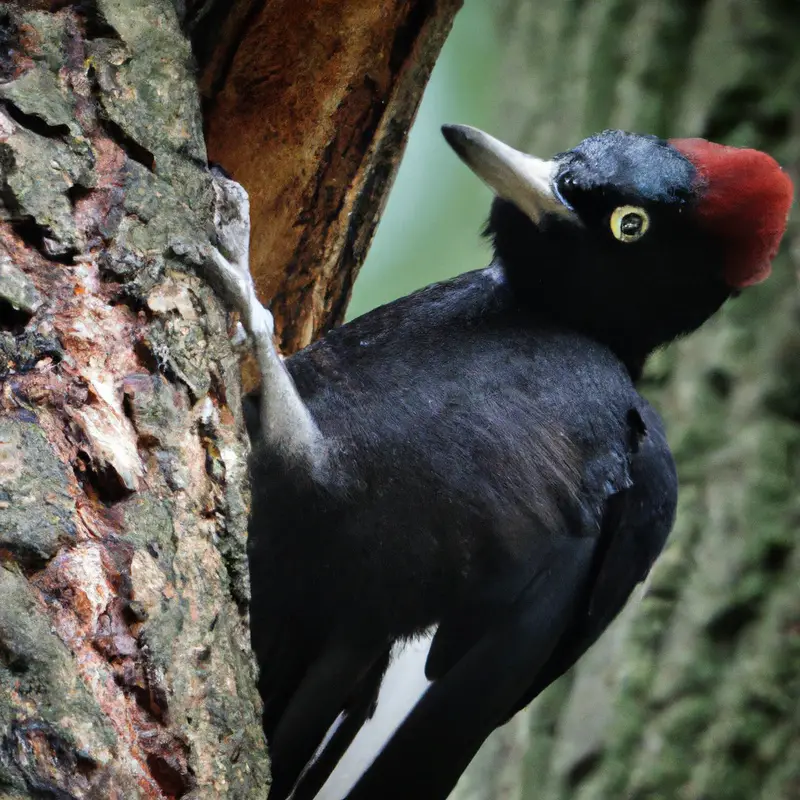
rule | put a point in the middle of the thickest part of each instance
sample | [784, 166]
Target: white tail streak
[403, 685]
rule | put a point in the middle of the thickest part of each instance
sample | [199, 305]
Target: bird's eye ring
[629, 223]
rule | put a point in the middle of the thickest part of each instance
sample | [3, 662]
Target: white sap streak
[403, 685]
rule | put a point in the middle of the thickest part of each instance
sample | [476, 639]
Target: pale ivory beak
[524, 180]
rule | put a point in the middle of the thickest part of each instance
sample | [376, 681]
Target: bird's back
[457, 422]
[469, 440]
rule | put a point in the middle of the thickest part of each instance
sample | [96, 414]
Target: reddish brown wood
[312, 119]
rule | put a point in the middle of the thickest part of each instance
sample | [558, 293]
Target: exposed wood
[312, 119]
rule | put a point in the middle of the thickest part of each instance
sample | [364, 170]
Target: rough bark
[125, 667]
[694, 692]
[124, 657]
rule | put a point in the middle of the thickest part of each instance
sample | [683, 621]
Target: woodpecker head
[633, 239]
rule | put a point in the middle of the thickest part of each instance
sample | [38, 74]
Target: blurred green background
[436, 210]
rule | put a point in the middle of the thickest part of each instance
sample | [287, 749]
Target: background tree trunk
[125, 667]
[695, 692]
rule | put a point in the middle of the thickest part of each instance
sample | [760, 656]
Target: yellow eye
[629, 223]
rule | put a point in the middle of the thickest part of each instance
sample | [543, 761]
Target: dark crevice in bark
[135, 151]
[204, 31]
[13, 320]
[776, 557]
[12, 661]
[147, 357]
[99, 482]
[170, 778]
[9, 45]
[720, 382]
[96, 26]
[358, 118]
[408, 34]
[31, 232]
[34, 123]
[78, 192]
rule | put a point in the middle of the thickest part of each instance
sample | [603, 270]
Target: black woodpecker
[456, 493]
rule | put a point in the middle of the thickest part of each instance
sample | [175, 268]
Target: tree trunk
[125, 665]
[313, 116]
[694, 692]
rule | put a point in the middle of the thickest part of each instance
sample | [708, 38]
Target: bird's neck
[631, 331]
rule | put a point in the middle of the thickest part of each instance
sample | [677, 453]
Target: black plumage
[490, 471]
